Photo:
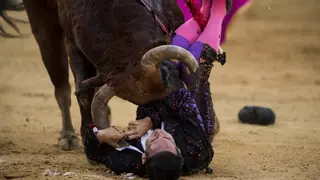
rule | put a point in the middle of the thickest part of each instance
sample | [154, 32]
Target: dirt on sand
[273, 60]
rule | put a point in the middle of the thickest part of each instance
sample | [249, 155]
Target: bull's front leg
[82, 69]
[46, 28]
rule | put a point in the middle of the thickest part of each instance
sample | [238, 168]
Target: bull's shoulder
[167, 11]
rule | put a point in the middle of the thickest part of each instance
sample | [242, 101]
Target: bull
[119, 46]
[11, 5]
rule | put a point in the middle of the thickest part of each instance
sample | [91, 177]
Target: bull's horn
[166, 52]
[99, 106]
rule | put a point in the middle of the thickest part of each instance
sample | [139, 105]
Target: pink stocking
[212, 32]
[190, 30]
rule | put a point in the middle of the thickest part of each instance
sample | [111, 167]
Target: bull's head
[154, 81]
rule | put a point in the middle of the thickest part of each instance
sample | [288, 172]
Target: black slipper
[256, 115]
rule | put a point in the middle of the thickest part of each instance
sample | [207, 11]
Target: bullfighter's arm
[139, 128]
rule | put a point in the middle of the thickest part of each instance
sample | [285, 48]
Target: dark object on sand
[256, 115]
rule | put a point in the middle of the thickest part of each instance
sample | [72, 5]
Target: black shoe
[256, 115]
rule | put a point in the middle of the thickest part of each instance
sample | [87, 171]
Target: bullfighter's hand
[110, 136]
[136, 129]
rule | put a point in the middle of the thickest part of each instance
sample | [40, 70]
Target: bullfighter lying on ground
[171, 136]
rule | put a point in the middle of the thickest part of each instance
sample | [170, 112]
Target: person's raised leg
[205, 49]
[188, 32]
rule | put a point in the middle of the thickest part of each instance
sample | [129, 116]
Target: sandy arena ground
[273, 60]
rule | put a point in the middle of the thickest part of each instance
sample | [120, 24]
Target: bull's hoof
[68, 141]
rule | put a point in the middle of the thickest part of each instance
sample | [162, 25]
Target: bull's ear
[170, 75]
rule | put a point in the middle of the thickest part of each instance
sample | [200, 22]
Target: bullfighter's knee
[216, 126]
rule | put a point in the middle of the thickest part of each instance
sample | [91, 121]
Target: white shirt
[143, 140]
